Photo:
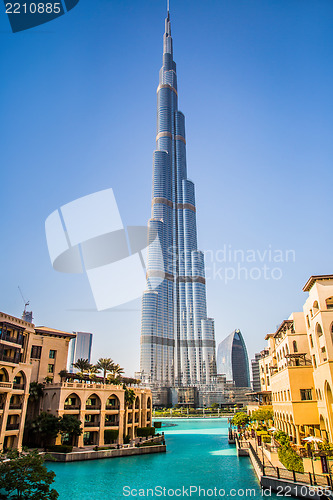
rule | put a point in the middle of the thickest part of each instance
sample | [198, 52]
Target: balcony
[91, 424]
[72, 407]
[299, 359]
[6, 385]
[93, 407]
[10, 338]
[19, 387]
[15, 406]
[111, 424]
[10, 359]
[13, 427]
[111, 407]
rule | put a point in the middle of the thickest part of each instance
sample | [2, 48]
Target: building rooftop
[45, 330]
[312, 280]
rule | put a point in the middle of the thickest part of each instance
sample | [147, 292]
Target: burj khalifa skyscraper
[177, 337]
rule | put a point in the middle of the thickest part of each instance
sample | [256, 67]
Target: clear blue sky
[79, 115]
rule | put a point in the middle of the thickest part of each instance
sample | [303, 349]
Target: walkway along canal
[279, 479]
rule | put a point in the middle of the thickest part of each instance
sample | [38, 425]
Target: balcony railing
[298, 359]
[111, 424]
[10, 338]
[72, 407]
[6, 385]
[93, 407]
[86, 385]
[10, 359]
[111, 407]
[15, 406]
[12, 427]
[19, 387]
[91, 424]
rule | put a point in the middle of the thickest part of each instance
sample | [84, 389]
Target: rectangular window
[50, 368]
[52, 354]
[36, 352]
[306, 394]
[314, 361]
[311, 341]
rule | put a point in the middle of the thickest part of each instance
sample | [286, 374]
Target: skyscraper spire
[177, 337]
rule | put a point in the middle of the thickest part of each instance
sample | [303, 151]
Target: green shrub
[127, 439]
[282, 438]
[60, 448]
[110, 435]
[157, 425]
[289, 458]
[145, 431]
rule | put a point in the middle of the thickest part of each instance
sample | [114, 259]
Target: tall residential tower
[177, 338]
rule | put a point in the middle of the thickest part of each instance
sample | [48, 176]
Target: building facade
[79, 348]
[232, 360]
[177, 337]
[27, 354]
[297, 367]
[256, 372]
[15, 376]
[99, 407]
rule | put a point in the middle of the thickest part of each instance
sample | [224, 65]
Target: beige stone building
[99, 407]
[296, 369]
[48, 351]
[15, 375]
[37, 354]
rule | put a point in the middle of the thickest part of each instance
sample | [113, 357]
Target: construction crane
[26, 303]
[27, 315]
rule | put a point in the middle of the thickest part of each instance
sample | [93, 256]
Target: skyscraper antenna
[168, 6]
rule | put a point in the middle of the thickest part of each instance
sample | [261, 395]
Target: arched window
[315, 307]
[112, 403]
[308, 320]
[329, 303]
[93, 402]
[295, 346]
[4, 377]
[319, 330]
[73, 402]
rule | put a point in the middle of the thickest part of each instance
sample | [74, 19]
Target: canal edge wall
[78, 456]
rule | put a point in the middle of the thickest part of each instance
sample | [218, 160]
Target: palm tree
[36, 391]
[105, 365]
[82, 365]
[129, 396]
[63, 375]
[92, 372]
[117, 371]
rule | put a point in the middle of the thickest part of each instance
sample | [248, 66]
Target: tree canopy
[240, 418]
[263, 414]
[24, 476]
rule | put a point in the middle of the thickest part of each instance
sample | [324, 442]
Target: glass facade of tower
[177, 338]
[79, 348]
[232, 360]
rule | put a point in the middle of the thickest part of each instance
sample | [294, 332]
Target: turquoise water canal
[198, 456]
